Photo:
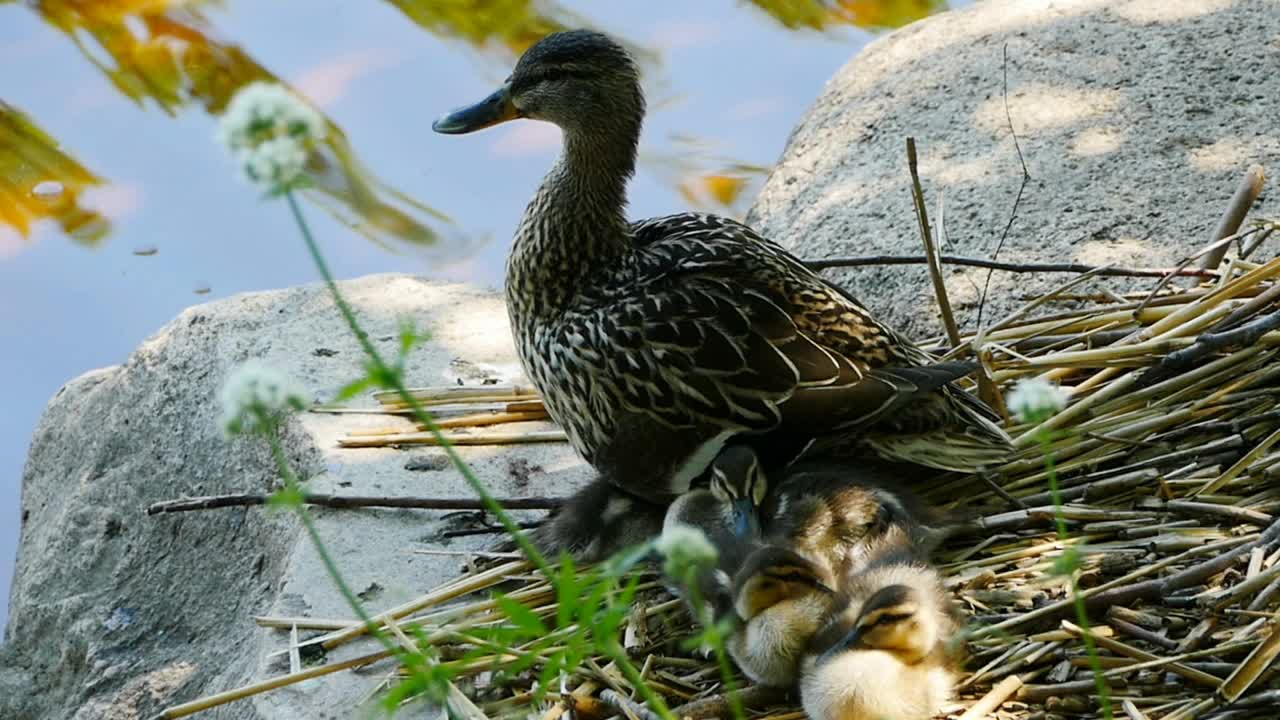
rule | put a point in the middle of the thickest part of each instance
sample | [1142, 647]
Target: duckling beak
[497, 108]
[745, 523]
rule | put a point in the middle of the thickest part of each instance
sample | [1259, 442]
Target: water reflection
[866, 14]
[165, 54]
[38, 181]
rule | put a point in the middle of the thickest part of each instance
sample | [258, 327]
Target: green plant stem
[413, 661]
[394, 377]
[1082, 617]
[712, 634]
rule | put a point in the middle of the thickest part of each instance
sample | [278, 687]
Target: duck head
[582, 80]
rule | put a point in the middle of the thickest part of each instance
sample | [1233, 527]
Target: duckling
[832, 511]
[887, 652]
[596, 522]
[727, 512]
[781, 598]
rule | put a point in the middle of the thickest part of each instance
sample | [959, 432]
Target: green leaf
[353, 389]
[287, 498]
[566, 592]
[521, 616]
[409, 338]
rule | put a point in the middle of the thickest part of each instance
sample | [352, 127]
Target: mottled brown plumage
[654, 343]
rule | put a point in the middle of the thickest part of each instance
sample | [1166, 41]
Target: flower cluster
[1036, 399]
[255, 395]
[270, 131]
[685, 547]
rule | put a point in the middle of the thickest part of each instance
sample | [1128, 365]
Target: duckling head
[775, 574]
[884, 665]
[895, 620]
[738, 482]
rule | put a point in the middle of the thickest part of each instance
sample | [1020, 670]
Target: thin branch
[931, 252]
[212, 502]
[1103, 270]
[1026, 178]
[1246, 194]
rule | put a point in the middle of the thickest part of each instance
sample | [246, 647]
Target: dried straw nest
[1168, 456]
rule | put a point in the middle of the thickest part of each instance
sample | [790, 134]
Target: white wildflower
[255, 392]
[1036, 399]
[685, 546]
[270, 132]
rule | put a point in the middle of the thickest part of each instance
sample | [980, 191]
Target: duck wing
[715, 332]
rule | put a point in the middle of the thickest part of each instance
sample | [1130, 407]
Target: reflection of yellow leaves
[512, 24]
[163, 51]
[29, 157]
[866, 14]
[724, 188]
[886, 14]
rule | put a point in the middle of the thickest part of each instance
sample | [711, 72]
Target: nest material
[1168, 457]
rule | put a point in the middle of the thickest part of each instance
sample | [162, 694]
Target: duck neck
[576, 225]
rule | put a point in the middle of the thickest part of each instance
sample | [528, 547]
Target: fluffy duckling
[781, 599]
[836, 513]
[726, 511]
[596, 522]
[888, 652]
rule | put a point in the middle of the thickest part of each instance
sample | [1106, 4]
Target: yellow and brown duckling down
[657, 343]
[833, 512]
[781, 598]
[821, 524]
[888, 650]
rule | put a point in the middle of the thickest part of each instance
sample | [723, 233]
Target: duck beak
[497, 108]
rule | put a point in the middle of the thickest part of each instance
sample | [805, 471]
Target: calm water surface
[172, 225]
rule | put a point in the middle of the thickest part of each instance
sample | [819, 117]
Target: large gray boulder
[115, 614]
[1137, 118]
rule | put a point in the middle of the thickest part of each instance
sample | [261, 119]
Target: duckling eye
[888, 619]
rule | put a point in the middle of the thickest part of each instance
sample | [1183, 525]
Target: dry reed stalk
[994, 698]
[428, 438]
[454, 589]
[443, 394]
[240, 693]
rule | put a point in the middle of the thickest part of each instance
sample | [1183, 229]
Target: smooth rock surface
[1136, 118]
[116, 614]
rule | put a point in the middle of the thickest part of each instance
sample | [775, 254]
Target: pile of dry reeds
[1168, 456]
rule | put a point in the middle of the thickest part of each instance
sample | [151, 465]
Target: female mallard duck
[888, 651]
[654, 343]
